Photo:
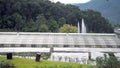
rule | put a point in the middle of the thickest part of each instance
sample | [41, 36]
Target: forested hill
[109, 8]
[45, 16]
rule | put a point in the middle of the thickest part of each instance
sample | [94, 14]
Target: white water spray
[83, 30]
[78, 27]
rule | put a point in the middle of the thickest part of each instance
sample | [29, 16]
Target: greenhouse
[32, 39]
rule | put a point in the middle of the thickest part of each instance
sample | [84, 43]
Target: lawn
[30, 63]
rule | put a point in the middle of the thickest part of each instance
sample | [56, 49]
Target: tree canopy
[46, 16]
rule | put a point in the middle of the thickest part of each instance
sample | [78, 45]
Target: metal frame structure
[27, 39]
[35, 42]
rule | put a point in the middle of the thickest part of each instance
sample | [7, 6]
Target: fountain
[83, 30]
[78, 27]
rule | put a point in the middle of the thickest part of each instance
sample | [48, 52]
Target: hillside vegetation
[45, 16]
[110, 9]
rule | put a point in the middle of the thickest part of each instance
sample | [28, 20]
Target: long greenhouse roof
[59, 38]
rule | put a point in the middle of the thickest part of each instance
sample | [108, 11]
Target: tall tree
[18, 22]
[52, 24]
[61, 21]
[41, 21]
[30, 26]
[43, 28]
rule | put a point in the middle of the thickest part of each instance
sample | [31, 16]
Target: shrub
[104, 62]
[4, 64]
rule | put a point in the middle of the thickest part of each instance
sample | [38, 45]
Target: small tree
[66, 28]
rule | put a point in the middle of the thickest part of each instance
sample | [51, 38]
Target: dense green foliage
[45, 16]
[108, 8]
[105, 62]
[95, 22]
[30, 63]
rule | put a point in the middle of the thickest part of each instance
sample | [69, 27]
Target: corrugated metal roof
[58, 38]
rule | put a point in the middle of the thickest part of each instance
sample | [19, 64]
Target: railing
[72, 50]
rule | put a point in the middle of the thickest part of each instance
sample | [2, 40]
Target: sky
[71, 1]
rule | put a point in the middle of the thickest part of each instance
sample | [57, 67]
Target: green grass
[30, 63]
